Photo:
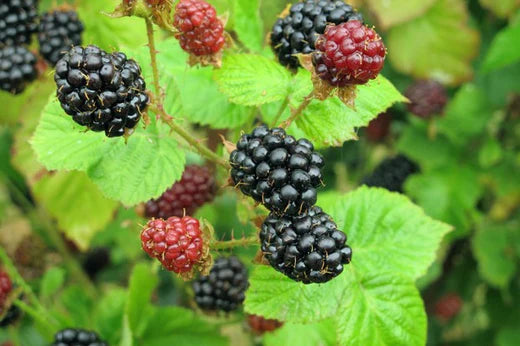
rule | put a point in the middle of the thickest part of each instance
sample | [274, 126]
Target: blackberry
[349, 53]
[448, 306]
[307, 248]
[196, 187]
[391, 173]
[200, 30]
[277, 170]
[17, 68]
[11, 316]
[260, 325]
[427, 98]
[17, 21]
[96, 260]
[5, 288]
[57, 33]
[225, 286]
[379, 127]
[104, 92]
[77, 337]
[296, 33]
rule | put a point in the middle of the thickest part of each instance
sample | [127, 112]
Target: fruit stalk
[153, 57]
[306, 101]
[228, 244]
[280, 111]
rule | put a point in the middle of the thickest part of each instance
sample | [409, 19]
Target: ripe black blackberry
[17, 21]
[277, 170]
[225, 286]
[391, 173]
[102, 91]
[17, 68]
[307, 248]
[297, 32]
[11, 316]
[96, 260]
[77, 337]
[57, 33]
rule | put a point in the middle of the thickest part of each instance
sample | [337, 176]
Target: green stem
[38, 316]
[298, 110]
[228, 244]
[280, 111]
[153, 57]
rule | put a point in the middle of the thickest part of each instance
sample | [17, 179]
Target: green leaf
[490, 153]
[52, 281]
[390, 13]
[449, 195]
[381, 309]
[78, 305]
[252, 80]
[70, 197]
[130, 172]
[493, 246]
[178, 326]
[501, 8]
[330, 122]
[508, 337]
[302, 334]
[109, 314]
[437, 45]
[142, 283]
[502, 51]
[469, 107]
[377, 223]
[247, 23]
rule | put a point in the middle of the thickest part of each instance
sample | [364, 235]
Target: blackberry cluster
[104, 92]
[176, 242]
[391, 173]
[296, 33]
[260, 325]
[77, 337]
[200, 30]
[96, 260]
[57, 33]
[427, 98]
[349, 53]
[307, 248]
[17, 21]
[196, 187]
[277, 170]
[225, 286]
[17, 68]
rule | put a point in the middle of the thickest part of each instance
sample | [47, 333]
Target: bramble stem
[153, 57]
[38, 316]
[280, 111]
[228, 244]
[298, 110]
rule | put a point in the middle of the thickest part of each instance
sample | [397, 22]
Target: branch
[298, 110]
[153, 57]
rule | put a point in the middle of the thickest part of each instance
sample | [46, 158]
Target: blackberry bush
[307, 248]
[277, 170]
[196, 187]
[297, 31]
[427, 98]
[57, 33]
[391, 173]
[349, 53]
[102, 91]
[18, 21]
[77, 337]
[17, 68]
[225, 286]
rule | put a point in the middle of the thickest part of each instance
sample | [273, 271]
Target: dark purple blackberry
[225, 286]
[11, 316]
[17, 68]
[96, 260]
[57, 33]
[104, 92]
[17, 21]
[427, 98]
[77, 337]
[307, 248]
[277, 170]
[391, 173]
[296, 33]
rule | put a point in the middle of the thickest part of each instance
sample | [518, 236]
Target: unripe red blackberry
[296, 33]
[77, 337]
[391, 173]
[200, 30]
[17, 68]
[5, 288]
[225, 286]
[196, 187]
[176, 242]
[17, 21]
[427, 98]
[307, 248]
[260, 325]
[448, 306]
[349, 53]
[379, 127]
[104, 92]
[57, 33]
[277, 170]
